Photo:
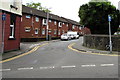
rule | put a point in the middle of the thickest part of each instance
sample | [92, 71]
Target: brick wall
[15, 43]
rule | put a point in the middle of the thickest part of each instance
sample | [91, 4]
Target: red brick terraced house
[34, 24]
[10, 13]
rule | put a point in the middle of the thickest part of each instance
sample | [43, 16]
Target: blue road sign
[109, 18]
[3, 17]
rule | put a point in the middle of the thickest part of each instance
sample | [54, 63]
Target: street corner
[71, 47]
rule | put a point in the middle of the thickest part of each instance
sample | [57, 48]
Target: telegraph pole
[47, 26]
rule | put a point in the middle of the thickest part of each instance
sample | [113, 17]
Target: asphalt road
[55, 60]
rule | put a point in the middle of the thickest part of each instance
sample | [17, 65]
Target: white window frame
[37, 19]
[36, 31]
[60, 24]
[55, 22]
[67, 25]
[27, 29]
[28, 16]
[43, 31]
[55, 31]
[50, 20]
[44, 21]
[59, 32]
[12, 32]
[63, 31]
[73, 26]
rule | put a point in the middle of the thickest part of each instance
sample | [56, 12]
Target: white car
[65, 37]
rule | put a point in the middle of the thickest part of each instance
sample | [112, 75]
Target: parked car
[65, 36]
[74, 35]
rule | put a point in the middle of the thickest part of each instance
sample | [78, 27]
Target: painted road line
[52, 67]
[28, 68]
[68, 66]
[31, 51]
[5, 69]
[91, 65]
[71, 47]
[107, 65]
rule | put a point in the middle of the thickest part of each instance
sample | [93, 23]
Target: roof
[32, 11]
[40, 13]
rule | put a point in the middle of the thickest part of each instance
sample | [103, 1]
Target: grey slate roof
[43, 14]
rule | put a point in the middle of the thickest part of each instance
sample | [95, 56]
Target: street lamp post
[110, 40]
[47, 26]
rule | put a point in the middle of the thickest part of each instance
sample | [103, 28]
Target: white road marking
[92, 65]
[107, 65]
[28, 68]
[68, 66]
[5, 69]
[47, 67]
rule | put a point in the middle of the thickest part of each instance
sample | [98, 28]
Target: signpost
[110, 41]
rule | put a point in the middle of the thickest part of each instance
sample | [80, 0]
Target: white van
[73, 34]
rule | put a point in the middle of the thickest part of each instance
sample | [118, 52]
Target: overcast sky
[66, 8]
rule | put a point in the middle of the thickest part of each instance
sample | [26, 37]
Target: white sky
[66, 8]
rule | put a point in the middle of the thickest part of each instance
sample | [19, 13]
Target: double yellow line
[71, 47]
[31, 51]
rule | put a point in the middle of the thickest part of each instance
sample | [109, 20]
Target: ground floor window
[36, 31]
[43, 31]
[12, 25]
[55, 31]
[59, 32]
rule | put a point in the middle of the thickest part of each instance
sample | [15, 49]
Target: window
[63, 23]
[59, 32]
[55, 22]
[28, 16]
[63, 31]
[12, 25]
[80, 28]
[43, 31]
[50, 20]
[55, 31]
[37, 19]
[36, 31]
[67, 25]
[60, 24]
[27, 29]
[73, 27]
[44, 21]
[11, 31]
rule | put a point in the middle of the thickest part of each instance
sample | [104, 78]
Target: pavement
[24, 47]
[79, 46]
[27, 46]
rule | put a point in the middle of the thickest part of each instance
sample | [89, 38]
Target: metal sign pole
[110, 42]
[47, 26]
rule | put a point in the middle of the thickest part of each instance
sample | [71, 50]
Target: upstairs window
[44, 21]
[28, 16]
[60, 24]
[67, 25]
[50, 20]
[73, 27]
[37, 19]
[55, 22]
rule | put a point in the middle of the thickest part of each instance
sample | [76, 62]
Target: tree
[37, 6]
[94, 15]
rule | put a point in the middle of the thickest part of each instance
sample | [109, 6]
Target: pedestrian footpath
[79, 46]
[24, 47]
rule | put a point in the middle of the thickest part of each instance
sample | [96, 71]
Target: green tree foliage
[37, 6]
[94, 15]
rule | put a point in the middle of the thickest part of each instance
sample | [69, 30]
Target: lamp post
[47, 28]
[110, 40]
